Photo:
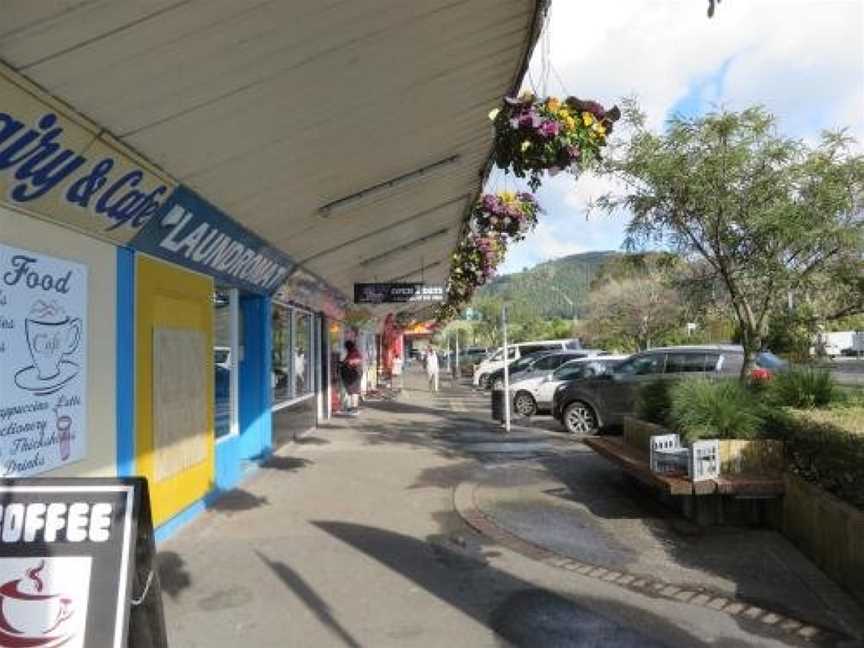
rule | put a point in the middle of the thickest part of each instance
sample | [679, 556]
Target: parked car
[470, 357]
[586, 406]
[533, 394]
[515, 352]
[539, 364]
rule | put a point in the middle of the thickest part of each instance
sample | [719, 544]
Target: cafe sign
[67, 561]
[43, 362]
[56, 165]
[396, 293]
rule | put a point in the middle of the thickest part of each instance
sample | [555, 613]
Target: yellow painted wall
[20, 230]
[170, 298]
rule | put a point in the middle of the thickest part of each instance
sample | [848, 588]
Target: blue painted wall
[235, 456]
[125, 366]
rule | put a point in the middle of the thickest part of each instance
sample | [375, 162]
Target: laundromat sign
[191, 232]
[55, 165]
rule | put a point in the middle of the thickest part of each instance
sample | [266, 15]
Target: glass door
[226, 345]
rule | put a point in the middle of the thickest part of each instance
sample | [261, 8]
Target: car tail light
[759, 374]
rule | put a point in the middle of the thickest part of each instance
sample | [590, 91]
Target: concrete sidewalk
[351, 538]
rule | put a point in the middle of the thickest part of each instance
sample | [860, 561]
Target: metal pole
[458, 368]
[506, 371]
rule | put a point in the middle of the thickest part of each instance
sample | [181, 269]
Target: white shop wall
[23, 231]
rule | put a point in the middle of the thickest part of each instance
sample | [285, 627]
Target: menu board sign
[67, 558]
[43, 362]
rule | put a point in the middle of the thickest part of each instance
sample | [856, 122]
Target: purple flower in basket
[490, 202]
[530, 119]
[575, 152]
[549, 128]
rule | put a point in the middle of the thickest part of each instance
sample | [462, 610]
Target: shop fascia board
[96, 136]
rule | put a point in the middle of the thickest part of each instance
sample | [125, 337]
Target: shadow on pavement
[310, 598]
[173, 577]
[286, 464]
[513, 608]
[237, 500]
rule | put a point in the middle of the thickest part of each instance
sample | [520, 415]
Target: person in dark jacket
[351, 371]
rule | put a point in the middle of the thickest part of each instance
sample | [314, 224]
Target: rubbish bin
[498, 405]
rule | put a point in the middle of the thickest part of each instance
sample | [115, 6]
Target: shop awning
[350, 135]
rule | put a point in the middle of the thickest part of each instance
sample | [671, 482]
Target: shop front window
[293, 366]
[225, 349]
[303, 383]
[281, 379]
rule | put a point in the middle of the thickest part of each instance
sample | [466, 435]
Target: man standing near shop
[432, 368]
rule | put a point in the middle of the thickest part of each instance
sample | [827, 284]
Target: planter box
[638, 433]
[751, 457]
[737, 456]
[827, 530]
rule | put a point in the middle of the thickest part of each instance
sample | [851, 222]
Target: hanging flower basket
[471, 265]
[505, 214]
[534, 135]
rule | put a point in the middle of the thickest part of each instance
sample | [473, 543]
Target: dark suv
[585, 406]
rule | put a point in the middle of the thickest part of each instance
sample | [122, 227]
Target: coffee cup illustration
[52, 336]
[28, 614]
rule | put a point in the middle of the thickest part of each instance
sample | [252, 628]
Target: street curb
[466, 506]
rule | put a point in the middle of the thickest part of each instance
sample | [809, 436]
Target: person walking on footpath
[432, 369]
[351, 371]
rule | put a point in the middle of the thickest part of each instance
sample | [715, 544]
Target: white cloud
[802, 59]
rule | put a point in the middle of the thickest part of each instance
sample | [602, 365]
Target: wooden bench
[635, 463]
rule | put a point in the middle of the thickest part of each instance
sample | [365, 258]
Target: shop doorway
[174, 437]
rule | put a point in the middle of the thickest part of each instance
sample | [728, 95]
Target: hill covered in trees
[555, 289]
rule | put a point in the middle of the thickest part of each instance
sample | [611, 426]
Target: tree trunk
[751, 341]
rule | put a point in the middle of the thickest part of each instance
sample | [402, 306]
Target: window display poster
[43, 362]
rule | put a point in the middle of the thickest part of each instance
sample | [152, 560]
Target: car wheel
[483, 381]
[524, 404]
[580, 418]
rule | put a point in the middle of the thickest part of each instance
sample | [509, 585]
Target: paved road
[352, 538]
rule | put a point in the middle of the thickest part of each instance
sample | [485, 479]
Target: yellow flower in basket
[587, 118]
[553, 104]
[526, 145]
[599, 128]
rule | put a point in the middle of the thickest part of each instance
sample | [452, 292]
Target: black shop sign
[396, 293]
[67, 561]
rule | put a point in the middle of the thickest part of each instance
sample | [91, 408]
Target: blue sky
[802, 59]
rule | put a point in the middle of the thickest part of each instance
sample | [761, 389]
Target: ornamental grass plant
[716, 409]
[655, 401]
[802, 388]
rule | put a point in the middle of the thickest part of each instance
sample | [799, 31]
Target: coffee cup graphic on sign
[32, 617]
[52, 336]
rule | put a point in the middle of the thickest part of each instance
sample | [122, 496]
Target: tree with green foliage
[634, 311]
[758, 214]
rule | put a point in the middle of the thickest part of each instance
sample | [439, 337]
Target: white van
[514, 352]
